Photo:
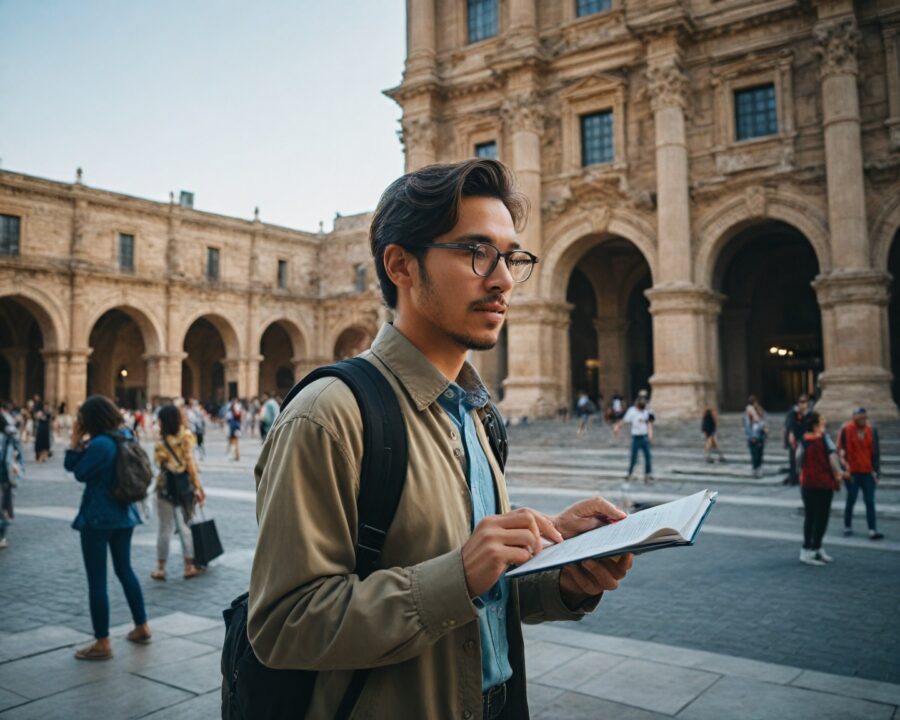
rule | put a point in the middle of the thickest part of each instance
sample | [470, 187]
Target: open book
[667, 525]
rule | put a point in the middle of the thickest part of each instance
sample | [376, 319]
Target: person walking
[755, 432]
[178, 490]
[268, 414]
[794, 427]
[616, 412]
[709, 428]
[641, 419]
[105, 525]
[820, 475]
[7, 477]
[859, 449]
[584, 409]
[233, 420]
[197, 425]
[42, 432]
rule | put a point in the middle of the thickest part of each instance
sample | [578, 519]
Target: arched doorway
[203, 371]
[276, 370]
[770, 329]
[21, 344]
[351, 342]
[610, 331]
[894, 315]
[116, 367]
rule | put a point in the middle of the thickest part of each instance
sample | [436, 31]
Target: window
[212, 263]
[126, 252]
[360, 277]
[9, 234]
[282, 274]
[597, 138]
[755, 113]
[482, 17]
[591, 7]
[486, 150]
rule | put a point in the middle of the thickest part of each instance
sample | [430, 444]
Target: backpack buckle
[369, 545]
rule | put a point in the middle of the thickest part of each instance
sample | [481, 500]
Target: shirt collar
[422, 380]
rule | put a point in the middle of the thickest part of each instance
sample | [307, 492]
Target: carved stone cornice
[682, 298]
[837, 46]
[666, 86]
[842, 287]
[417, 133]
[522, 114]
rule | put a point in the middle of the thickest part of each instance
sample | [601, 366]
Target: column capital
[837, 45]
[522, 114]
[527, 311]
[164, 356]
[679, 298]
[842, 287]
[417, 134]
[666, 86]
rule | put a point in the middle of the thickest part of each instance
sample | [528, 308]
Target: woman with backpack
[178, 490]
[103, 522]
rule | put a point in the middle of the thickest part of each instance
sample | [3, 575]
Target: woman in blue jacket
[103, 522]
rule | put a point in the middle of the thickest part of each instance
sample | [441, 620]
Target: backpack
[250, 690]
[133, 471]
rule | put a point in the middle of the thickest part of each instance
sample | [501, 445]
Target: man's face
[860, 420]
[450, 297]
[801, 407]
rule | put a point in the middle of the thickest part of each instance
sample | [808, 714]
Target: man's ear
[401, 266]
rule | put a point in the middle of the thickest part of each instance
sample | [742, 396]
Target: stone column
[611, 352]
[537, 346]
[235, 372]
[250, 384]
[853, 296]
[418, 136]
[16, 356]
[524, 121]
[164, 375]
[67, 372]
[420, 51]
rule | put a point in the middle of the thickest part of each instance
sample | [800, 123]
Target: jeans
[171, 519]
[756, 452]
[867, 483]
[817, 507]
[640, 443]
[93, 550]
[793, 472]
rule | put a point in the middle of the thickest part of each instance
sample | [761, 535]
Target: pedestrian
[197, 425]
[859, 449]
[7, 479]
[252, 415]
[17, 452]
[708, 426]
[103, 522]
[233, 416]
[616, 412]
[584, 409]
[42, 432]
[641, 419]
[437, 623]
[794, 426]
[820, 476]
[178, 490]
[755, 431]
[267, 414]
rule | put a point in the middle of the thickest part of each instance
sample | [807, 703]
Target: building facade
[714, 186]
[143, 301]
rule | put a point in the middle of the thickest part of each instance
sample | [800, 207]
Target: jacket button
[452, 435]
[469, 645]
[467, 715]
[457, 452]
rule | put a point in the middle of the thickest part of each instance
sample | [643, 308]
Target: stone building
[138, 300]
[715, 189]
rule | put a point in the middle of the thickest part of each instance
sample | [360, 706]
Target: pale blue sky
[275, 103]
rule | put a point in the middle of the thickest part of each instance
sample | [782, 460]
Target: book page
[661, 523]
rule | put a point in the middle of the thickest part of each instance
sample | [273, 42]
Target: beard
[471, 343]
[463, 340]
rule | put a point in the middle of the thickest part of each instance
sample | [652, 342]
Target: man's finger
[599, 507]
[547, 528]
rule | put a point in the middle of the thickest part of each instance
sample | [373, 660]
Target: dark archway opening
[276, 374]
[21, 344]
[206, 353]
[116, 367]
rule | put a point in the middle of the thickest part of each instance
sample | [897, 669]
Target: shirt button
[452, 435]
[457, 452]
[448, 393]
[467, 715]
[469, 645]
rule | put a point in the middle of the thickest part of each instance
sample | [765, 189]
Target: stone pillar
[420, 51]
[173, 253]
[684, 379]
[67, 373]
[611, 353]
[853, 305]
[853, 296]
[250, 384]
[418, 137]
[235, 372]
[16, 356]
[164, 375]
[537, 347]
[525, 124]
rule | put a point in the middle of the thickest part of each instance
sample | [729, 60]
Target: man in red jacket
[858, 445]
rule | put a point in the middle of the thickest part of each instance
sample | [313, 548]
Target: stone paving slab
[852, 687]
[129, 697]
[38, 640]
[577, 706]
[744, 699]
[202, 707]
[10, 699]
[200, 674]
[577, 671]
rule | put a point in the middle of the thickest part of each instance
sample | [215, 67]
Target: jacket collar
[422, 380]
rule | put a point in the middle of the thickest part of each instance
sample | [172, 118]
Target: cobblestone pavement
[736, 616]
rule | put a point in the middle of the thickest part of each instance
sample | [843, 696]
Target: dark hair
[98, 415]
[803, 398]
[423, 205]
[169, 420]
[812, 420]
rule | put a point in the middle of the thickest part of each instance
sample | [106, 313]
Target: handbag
[179, 490]
[207, 545]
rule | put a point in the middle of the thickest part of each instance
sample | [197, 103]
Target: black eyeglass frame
[473, 248]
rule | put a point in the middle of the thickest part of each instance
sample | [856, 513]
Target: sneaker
[875, 535]
[823, 556]
[808, 557]
[848, 532]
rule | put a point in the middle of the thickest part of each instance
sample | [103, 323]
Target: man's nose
[501, 278]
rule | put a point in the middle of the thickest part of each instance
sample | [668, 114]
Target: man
[438, 623]
[267, 415]
[858, 446]
[641, 419]
[794, 427]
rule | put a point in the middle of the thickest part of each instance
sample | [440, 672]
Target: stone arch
[581, 232]
[230, 335]
[283, 352]
[298, 335]
[46, 311]
[730, 217]
[884, 230]
[351, 340]
[150, 327]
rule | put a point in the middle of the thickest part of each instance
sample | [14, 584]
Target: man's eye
[480, 253]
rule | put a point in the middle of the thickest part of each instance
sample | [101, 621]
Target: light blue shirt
[495, 667]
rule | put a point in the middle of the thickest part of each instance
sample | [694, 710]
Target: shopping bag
[207, 545]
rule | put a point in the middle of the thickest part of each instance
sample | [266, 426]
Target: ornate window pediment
[598, 93]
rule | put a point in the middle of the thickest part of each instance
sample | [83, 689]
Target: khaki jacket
[413, 620]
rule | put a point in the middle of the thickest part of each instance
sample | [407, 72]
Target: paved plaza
[732, 628]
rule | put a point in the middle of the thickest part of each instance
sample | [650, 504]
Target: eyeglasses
[485, 258]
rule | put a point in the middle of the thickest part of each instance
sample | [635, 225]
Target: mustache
[491, 300]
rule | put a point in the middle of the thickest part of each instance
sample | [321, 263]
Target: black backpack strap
[382, 475]
[495, 428]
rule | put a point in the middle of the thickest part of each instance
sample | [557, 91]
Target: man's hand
[579, 581]
[503, 540]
